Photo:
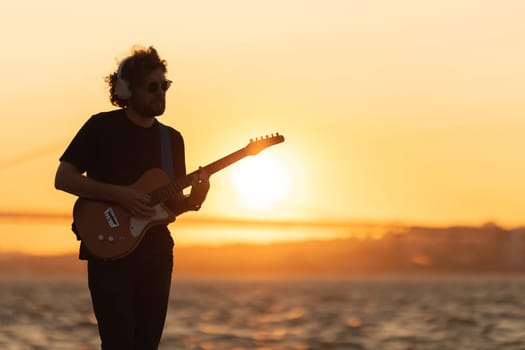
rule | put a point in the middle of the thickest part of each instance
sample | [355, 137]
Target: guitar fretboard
[161, 194]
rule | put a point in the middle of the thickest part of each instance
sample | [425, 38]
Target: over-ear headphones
[121, 85]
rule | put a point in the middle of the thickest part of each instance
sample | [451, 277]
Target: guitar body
[109, 231]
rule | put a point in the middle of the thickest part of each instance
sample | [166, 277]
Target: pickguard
[137, 224]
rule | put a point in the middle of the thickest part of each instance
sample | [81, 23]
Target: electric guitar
[110, 232]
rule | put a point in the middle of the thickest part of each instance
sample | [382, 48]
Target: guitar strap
[166, 151]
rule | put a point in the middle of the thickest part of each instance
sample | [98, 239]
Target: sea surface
[352, 313]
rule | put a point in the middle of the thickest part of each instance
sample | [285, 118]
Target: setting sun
[261, 181]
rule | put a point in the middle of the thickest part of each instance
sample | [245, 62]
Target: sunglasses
[154, 86]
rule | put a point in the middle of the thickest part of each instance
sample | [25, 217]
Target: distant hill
[485, 249]
[24, 265]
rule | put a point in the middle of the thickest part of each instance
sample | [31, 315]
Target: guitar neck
[209, 169]
[162, 194]
[255, 146]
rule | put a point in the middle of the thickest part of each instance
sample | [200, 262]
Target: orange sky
[406, 110]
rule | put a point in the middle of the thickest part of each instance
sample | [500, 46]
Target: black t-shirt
[112, 149]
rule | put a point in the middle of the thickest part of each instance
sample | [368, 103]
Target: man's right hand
[135, 202]
[70, 179]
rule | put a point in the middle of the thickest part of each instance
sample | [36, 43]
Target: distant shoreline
[457, 250]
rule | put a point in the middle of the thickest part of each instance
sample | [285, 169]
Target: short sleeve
[82, 149]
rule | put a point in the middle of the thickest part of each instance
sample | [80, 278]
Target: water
[359, 313]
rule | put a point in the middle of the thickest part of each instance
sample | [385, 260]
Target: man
[113, 149]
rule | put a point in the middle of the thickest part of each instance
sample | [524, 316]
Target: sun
[261, 181]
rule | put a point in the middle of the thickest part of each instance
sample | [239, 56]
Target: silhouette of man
[113, 149]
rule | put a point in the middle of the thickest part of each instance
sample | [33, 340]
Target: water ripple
[423, 314]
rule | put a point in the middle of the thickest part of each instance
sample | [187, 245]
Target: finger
[203, 174]
[196, 180]
[144, 199]
[145, 211]
[205, 184]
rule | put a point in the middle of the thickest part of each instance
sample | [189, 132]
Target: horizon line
[232, 221]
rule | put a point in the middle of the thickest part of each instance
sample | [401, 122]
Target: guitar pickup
[111, 218]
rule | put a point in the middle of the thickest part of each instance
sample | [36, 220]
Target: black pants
[130, 299]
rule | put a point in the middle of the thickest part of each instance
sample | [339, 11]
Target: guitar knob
[111, 238]
[100, 237]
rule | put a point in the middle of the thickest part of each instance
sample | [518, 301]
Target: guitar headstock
[258, 144]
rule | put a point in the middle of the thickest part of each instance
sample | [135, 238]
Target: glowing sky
[392, 110]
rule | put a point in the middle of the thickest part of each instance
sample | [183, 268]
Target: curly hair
[136, 67]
